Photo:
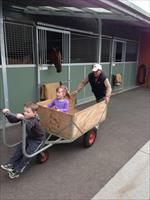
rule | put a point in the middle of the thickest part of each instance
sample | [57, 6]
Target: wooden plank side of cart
[55, 122]
[71, 125]
[89, 117]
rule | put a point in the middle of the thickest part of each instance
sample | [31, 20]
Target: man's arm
[81, 85]
[108, 90]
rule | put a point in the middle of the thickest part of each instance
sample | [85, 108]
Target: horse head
[56, 59]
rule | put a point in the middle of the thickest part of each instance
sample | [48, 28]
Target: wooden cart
[67, 127]
[71, 125]
[64, 127]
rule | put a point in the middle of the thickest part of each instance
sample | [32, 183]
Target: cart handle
[102, 114]
[46, 142]
[4, 134]
[24, 134]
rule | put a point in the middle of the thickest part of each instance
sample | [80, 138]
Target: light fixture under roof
[49, 8]
[32, 8]
[17, 7]
[74, 9]
[98, 10]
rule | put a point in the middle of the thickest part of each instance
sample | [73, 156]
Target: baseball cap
[96, 67]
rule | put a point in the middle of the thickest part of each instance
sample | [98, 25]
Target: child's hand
[56, 108]
[5, 110]
[20, 116]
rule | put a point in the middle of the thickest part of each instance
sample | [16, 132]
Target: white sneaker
[7, 167]
[13, 174]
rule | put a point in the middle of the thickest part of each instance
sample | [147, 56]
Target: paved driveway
[75, 173]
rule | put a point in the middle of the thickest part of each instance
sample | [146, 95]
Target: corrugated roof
[103, 9]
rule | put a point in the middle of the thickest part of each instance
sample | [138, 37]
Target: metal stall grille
[19, 43]
[49, 38]
[42, 46]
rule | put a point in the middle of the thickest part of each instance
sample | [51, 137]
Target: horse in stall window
[56, 59]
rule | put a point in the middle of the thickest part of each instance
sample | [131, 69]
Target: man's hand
[107, 99]
[74, 93]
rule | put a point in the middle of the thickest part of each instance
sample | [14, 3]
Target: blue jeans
[19, 161]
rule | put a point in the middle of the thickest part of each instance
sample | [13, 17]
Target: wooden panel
[89, 117]
[48, 90]
[55, 122]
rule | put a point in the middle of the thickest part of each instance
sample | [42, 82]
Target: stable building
[114, 34]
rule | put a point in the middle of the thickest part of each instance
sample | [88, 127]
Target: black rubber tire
[89, 137]
[42, 157]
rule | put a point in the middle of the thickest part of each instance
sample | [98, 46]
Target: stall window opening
[19, 43]
[84, 48]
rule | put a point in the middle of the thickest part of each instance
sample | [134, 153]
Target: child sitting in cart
[35, 137]
[60, 103]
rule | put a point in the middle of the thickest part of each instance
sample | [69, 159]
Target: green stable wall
[22, 82]
[127, 71]
[50, 75]
[130, 75]
[21, 87]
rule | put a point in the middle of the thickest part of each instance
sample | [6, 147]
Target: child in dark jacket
[35, 136]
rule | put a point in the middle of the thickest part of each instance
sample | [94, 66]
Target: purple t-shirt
[62, 105]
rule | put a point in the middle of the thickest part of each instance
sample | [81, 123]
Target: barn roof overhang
[101, 9]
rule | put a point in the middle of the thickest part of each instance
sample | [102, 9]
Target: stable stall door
[50, 40]
[117, 64]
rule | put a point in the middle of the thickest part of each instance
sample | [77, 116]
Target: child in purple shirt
[60, 103]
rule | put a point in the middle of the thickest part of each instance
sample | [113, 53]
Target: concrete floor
[132, 181]
[75, 173]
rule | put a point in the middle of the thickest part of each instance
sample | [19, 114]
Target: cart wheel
[90, 137]
[42, 157]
